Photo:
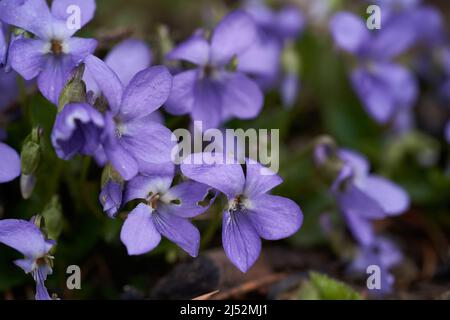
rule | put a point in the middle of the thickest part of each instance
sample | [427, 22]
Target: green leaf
[322, 287]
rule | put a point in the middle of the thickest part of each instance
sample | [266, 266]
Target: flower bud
[52, 214]
[30, 158]
[27, 184]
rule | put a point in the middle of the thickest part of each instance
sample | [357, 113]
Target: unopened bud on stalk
[52, 214]
[27, 184]
[30, 159]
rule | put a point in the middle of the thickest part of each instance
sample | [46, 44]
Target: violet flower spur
[111, 197]
[364, 197]
[132, 140]
[25, 237]
[111, 194]
[384, 88]
[252, 213]
[53, 53]
[213, 92]
[165, 212]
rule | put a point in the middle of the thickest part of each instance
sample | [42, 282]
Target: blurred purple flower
[286, 24]
[396, 4]
[213, 92]
[383, 86]
[424, 20]
[111, 197]
[25, 237]
[165, 212]
[274, 29]
[132, 140]
[382, 253]
[78, 129]
[447, 132]
[252, 213]
[9, 163]
[364, 197]
[54, 53]
[263, 59]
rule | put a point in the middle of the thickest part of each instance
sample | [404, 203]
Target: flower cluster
[111, 106]
[108, 109]
[387, 89]
[362, 198]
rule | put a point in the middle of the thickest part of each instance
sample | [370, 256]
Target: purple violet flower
[9, 163]
[78, 129]
[126, 59]
[165, 213]
[252, 213]
[383, 87]
[25, 237]
[53, 54]
[364, 197]
[382, 253]
[213, 92]
[132, 140]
